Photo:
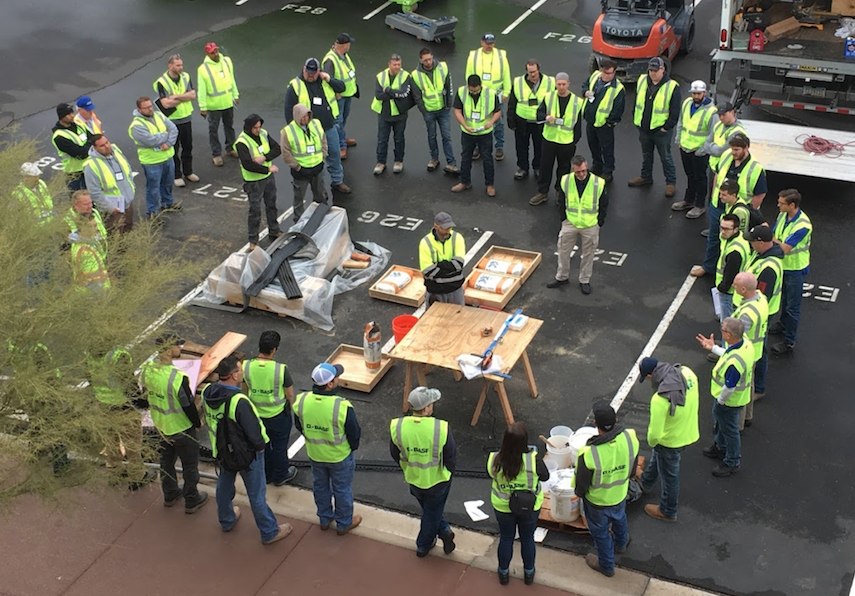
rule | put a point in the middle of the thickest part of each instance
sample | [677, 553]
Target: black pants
[258, 191]
[485, 146]
[551, 153]
[696, 167]
[601, 141]
[396, 128]
[522, 133]
[183, 446]
[184, 146]
[301, 183]
[228, 118]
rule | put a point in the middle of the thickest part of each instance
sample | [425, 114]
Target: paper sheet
[191, 368]
[540, 534]
[471, 368]
[473, 508]
[716, 300]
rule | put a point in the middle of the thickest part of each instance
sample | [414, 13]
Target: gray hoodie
[299, 111]
[144, 138]
[93, 181]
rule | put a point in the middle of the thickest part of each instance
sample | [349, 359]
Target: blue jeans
[713, 241]
[664, 462]
[508, 524]
[600, 519]
[443, 118]
[159, 179]
[433, 524]
[341, 120]
[396, 128]
[726, 305]
[727, 439]
[256, 490]
[334, 157]
[791, 304]
[499, 128]
[334, 480]
[661, 141]
[75, 181]
[276, 453]
[760, 370]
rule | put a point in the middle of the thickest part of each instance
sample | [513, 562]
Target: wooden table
[446, 331]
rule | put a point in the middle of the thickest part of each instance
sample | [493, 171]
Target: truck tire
[688, 39]
[667, 63]
[593, 64]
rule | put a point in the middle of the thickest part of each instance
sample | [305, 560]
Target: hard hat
[698, 87]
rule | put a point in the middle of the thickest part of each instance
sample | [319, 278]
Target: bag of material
[394, 282]
[494, 284]
[500, 266]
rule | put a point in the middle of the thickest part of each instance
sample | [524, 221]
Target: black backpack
[755, 217]
[234, 451]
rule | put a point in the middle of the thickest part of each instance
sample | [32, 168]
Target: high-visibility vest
[214, 415]
[695, 127]
[88, 267]
[395, 82]
[721, 134]
[302, 91]
[661, 102]
[612, 466]
[757, 265]
[264, 379]
[758, 313]
[799, 256]
[183, 109]
[307, 146]
[681, 428]
[433, 251]
[163, 384]
[217, 86]
[526, 480]
[495, 73]
[109, 387]
[344, 71]
[323, 418]
[106, 175]
[563, 133]
[39, 200]
[747, 179]
[581, 211]
[432, 86]
[255, 150]
[740, 210]
[474, 116]
[93, 126]
[742, 359]
[528, 100]
[100, 239]
[604, 109]
[420, 440]
[736, 244]
[78, 136]
[151, 155]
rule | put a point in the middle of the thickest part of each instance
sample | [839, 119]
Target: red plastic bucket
[401, 325]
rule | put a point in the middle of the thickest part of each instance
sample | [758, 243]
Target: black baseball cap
[724, 107]
[344, 38]
[759, 233]
[312, 65]
[489, 38]
[604, 415]
[63, 110]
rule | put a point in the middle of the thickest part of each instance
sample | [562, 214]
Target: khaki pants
[566, 241]
[747, 413]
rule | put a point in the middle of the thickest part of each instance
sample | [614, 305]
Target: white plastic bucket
[560, 455]
[579, 440]
[562, 431]
[565, 503]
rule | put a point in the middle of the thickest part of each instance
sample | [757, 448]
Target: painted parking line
[295, 447]
[524, 16]
[376, 11]
[240, 2]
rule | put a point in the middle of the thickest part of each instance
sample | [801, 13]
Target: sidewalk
[101, 545]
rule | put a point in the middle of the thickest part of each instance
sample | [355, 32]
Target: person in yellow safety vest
[434, 95]
[693, 127]
[441, 256]
[86, 116]
[726, 126]
[753, 311]
[561, 111]
[304, 147]
[175, 95]
[155, 135]
[477, 110]
[793, 232]
[257, 150]
[527, 93]
[338, 65]
[271, 391]
[72, 142]
[516, 495]
[606, 102]
[425, 449]
[657, 109]
[218, 96]
[492, 67]
[392, 101]
[81, 213]
[673, 427]
[328, 423]
[33, 193]
[110, 183]
[604, 468]
[733, 258]
[88, 259]
[728, 196]
[224, 399]
[586, 204]
[318, 90]
[731, 390]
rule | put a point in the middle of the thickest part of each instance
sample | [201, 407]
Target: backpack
[755, 217]
[234, 451]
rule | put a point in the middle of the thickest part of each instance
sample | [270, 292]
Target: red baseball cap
[210, 47]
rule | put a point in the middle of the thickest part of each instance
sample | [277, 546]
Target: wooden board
[527, 258]
[355, 375]
[845, 8]
[225, 346]
[783, 28]
[413, 294]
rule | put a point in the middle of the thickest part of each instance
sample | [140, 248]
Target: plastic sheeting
[320, 277]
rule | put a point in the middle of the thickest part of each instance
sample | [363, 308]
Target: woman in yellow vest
[516, 496]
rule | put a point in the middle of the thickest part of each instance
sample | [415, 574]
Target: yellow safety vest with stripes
[185, 108]
[528, 100]
[396, 82]
[526, 480]
[163, 384]
[432, 86]
[604, 108]
[307, 146]
[741, 358]
[475, 117]
[217, 86]
[213, 416]
[695, 128]
[264, 379]
[757, 265]
[562, 129]
[721, 134]
[495, 73]
[757, 311]
[736, 244]
[747, 179]
[302, 93]
[420, 440]
[582, 210]
[107, 177]
[38, 199]
[151, 155]
[255, 150]
[323, 418]
[661, 102]
[612, 466]
[433, 251]
[799, 256]
[78, 136]
[344, 71]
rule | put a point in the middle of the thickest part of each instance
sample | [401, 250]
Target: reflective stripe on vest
[433, 88]
[70, 164]
[107, 177]
[525, 94]
[430, 469]
[385, 81]
[88, 269]
[106, 384]
[39, 200]
[343, 69]
[582, 211]
[100, 240]
[213, 416]
[661, 102]
[301, 90]
[742, 359]
[757, 311]
[487, 101]
[151, 155]
[93, 126]
[604, 108]
[255, 150]
[475, 65]
[746, 180]
[597, 481]
[799, 256]
[183, 109]
[721, 134]
[526, 480]
[735, 244]
[228, 76]
[324, 444]
[562, 133]
[307, 153]
[265, 389]
[695, 127]
[444, 251]
[163, 382]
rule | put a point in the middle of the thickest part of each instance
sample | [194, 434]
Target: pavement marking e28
[823, 293]
[568, 37]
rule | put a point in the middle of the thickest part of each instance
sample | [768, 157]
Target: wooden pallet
[528, 259]
[355, 375]
[545, 520]
[413, 294]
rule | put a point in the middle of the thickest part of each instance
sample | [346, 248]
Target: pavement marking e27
[222, 192]
[568, 37]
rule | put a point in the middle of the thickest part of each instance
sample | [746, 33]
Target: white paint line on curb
[632, 377]
[376, 11]
[523, 16]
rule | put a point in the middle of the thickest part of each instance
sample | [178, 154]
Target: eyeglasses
[726, 228]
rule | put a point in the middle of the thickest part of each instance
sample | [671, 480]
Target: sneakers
[782, 347]
[191, 509]
[696, 212]
[179, 182]
[724, 470]
[236, 509]
[423, 553]
[555, 283]
[539, 198]
[460, 187]
[681, 206]
[656, 513]
[292, 473]
[528, 577]
[698, 271]
[518, 175]
[432, 165]
[594, 563]
[357, 519]
[500, 154]
[776, 328]
[448, 545]
[585, 287]
[713, 452]
[192, 177]
[284, 530]
[670, 190]
[759, 396]
[451, 169]
[218, 161]
[622, 550]
[491, 191]
[639, 181]
[398, 167]
[350, 142]
[379, 169]
[232, 153]
[252, 246]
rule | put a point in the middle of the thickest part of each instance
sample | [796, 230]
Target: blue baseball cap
[325, 373]
[85, 102]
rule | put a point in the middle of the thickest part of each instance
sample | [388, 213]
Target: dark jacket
[599, 90]
[216, 394]
[417, 94]
[603, 208]
[767, 280]
[732, 265]
[513, 119]
[673, 107]
[584, 476]
[322, 112]
[562, 105]
[401, 96]
[243, 151]
[351, 425]
[73, 149]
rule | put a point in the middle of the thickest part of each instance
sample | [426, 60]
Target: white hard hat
[698, 87]
[30, 169]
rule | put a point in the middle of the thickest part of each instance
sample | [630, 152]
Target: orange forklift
[631, 32]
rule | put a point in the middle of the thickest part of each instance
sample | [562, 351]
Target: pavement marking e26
[391, 220]
[302, 9]
[568, 37]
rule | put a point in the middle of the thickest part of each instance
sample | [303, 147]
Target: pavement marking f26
[568, 37]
